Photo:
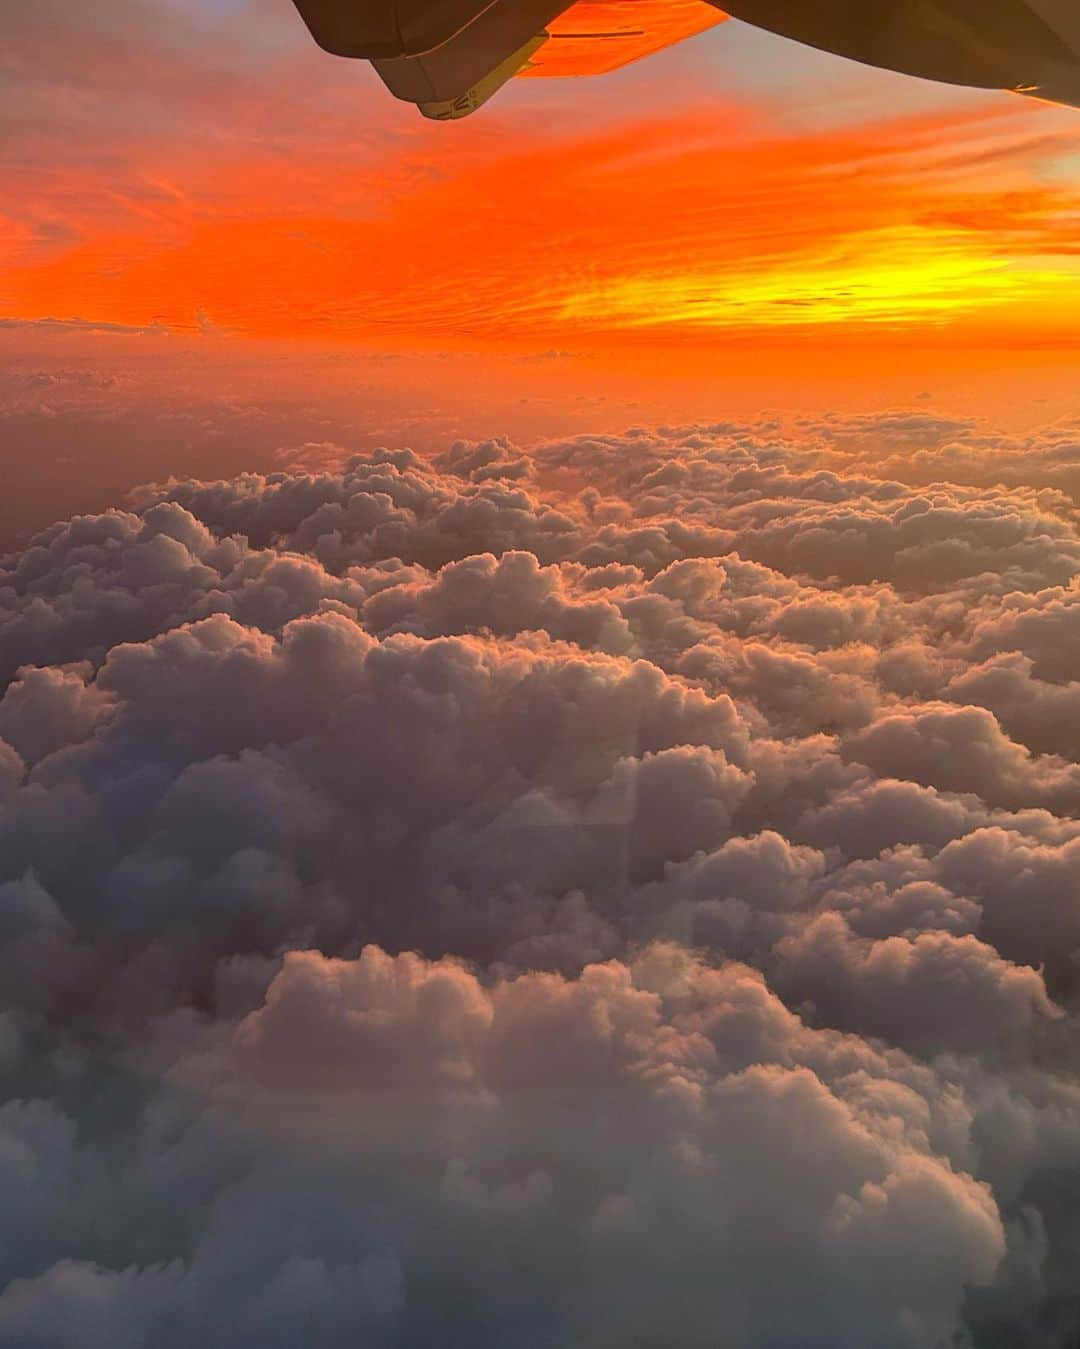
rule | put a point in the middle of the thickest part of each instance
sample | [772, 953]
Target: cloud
[441, 906]
[84, 325]
[646, 1080]
[920, 449]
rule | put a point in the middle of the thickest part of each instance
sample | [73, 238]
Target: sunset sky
[203, 166]
[200, 205]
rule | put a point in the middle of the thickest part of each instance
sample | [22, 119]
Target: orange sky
[700, 225]
[670, 210]
[221, 249]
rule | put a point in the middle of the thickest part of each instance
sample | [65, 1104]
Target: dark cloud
[624, 895]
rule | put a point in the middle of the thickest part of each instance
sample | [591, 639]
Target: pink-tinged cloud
[628, 890]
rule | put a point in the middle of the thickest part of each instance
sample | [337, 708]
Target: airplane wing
[1027, 46]
[449, 56]
[595, 36]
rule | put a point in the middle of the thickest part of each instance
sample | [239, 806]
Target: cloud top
[446, 903]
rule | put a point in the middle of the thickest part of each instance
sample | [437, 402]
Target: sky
[204, 166]
[209, 222]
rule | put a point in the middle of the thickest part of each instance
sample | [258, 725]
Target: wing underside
[1028, 46]
[449, 56]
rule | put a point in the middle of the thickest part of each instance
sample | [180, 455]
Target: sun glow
[891, 277]
[717, 219]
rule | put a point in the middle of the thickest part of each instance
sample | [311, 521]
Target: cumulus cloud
[441, 903]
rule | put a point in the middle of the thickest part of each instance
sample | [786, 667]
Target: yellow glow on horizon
[710, 225]
[892, 277]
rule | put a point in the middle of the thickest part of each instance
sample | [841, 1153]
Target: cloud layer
[624, 896]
